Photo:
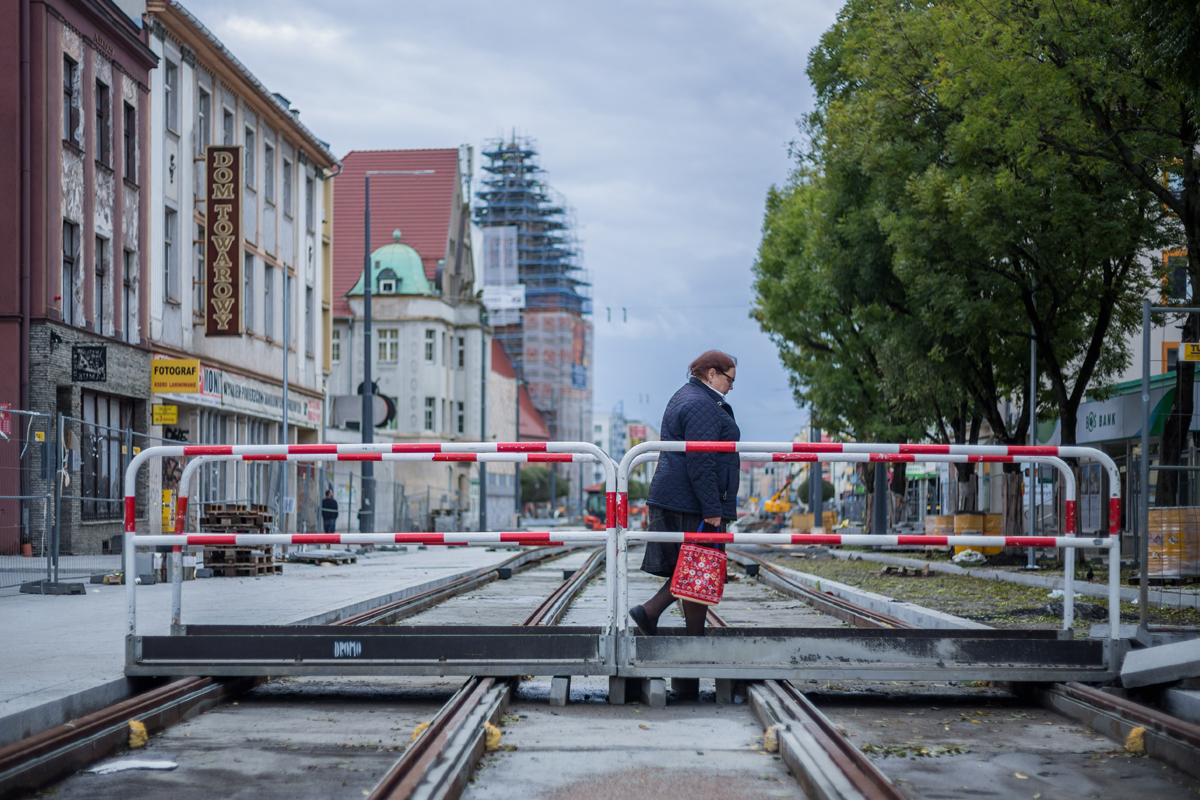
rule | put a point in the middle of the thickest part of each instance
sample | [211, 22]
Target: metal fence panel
[28, 443]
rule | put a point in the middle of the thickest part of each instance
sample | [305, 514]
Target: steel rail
[827, 765]
[846, 611]
[439, 762]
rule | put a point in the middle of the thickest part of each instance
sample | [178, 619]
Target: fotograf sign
[223, 236]
[175, 376]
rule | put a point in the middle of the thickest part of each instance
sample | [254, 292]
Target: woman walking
[691, 488]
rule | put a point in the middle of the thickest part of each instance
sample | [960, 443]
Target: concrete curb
[1041, 581]
[30, 721]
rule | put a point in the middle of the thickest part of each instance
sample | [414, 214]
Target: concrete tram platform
[64, 656]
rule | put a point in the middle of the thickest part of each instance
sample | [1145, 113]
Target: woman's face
[722, 381]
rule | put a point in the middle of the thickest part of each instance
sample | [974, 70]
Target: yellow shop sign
[175, 376]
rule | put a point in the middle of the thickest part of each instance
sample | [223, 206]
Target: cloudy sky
[662, 123]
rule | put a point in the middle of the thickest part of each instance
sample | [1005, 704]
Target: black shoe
[644, 623]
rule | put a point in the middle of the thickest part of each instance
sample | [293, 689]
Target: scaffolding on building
[531, 259]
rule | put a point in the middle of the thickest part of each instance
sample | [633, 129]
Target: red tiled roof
[533, 424]
[419, 205]
[500, 362]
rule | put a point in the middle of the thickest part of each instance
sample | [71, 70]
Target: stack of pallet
[234, 561]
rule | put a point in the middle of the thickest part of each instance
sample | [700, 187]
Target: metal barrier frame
[891, 453]
[733, 653]
[445, 452]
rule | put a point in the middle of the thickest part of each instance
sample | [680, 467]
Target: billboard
[223, 236]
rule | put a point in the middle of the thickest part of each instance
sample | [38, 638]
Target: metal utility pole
[517, 465]
[880, 514]
[816, 480]
[483, 390]
[366, 512]
[1031, 561]
[287, 290]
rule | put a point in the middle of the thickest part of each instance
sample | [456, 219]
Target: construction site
[536, 290]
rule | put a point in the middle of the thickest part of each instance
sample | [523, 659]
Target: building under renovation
[535, 290]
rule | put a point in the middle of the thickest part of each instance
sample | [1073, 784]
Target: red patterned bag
[699, 575]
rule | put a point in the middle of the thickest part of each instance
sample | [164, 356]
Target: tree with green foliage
[535, 485]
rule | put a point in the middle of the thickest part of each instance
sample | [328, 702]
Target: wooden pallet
[229, 520]
[322, 555]
[245, 570]
[214, 556]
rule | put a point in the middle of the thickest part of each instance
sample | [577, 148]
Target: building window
[248, 293]
[170, 256]
[289, 303]
[248, 157]
[105, 422]
[226, 127]
[103, 124]
[130, 133]
[442, 427]
[308, 322]
[269, 301]
[389, 345]
[310, 201]
[335, 346]
[462, 352]
[203, 120]
[394, 422]
[198, 279]
[71, 101]
[430, 345]
[101, 312]
[70, 259]
[127, 298]
[461, 427]
[171, 96]
[443, 348]
[430, 407]
[287, 188]
[269, 173]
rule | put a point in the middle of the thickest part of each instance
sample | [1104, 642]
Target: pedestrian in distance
[329, 511]
[691, 489]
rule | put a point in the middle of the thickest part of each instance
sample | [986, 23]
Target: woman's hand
[714, 521]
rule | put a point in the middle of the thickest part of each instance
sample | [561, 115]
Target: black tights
[694, 614]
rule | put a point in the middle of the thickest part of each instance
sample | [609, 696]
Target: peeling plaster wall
[131, 224]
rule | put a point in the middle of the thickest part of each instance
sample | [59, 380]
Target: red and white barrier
[481, 538]
[875, 452]
[552, 452]
[864, 539]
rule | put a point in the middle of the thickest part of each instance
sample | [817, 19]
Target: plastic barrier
[858, 451]
[443, 452]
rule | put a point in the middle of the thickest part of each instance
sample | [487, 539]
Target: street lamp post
[366, 512]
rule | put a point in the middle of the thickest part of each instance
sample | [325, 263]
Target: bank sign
[223, 236]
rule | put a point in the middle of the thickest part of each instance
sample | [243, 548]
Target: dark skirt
[660, 557]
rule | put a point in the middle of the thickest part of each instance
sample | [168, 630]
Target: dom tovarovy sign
[223, 236]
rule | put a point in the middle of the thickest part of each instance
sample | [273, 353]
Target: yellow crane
[779, 502]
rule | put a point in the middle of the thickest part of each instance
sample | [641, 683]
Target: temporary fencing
[889, 453]
[28, 444]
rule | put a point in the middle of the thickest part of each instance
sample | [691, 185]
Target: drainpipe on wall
[26, 204]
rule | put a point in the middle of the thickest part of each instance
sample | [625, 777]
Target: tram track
[37, 760]
[823, 758]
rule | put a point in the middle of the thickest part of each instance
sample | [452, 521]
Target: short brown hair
[713, 359]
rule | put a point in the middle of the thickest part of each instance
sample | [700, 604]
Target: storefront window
[106, 420]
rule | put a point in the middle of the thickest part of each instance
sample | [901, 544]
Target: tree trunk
[1175, 428]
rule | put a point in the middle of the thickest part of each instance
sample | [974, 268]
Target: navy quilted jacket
[697, 483]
